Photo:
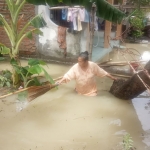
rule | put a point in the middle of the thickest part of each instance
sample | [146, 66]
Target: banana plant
[12, 28]
[104, 9]
[34, 67]
[15, 34]
[5, 78]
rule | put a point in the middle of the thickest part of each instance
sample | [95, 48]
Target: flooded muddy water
[142, 108]
[64, 120]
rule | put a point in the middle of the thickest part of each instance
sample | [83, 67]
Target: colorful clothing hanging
[86, 16]
[64, 14]
[76, 15]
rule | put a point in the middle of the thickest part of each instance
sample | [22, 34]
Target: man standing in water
[84, 73]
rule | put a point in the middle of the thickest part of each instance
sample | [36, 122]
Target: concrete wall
[48, 45]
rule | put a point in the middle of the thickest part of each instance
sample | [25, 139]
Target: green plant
[15, 34]
[138, 13]
[127, 142]
[5, 78]
[137, 33]
[26, 74]
[12, 27]
[137, 23]
[139, 2]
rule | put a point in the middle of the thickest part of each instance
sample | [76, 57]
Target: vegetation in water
[127, 142]
[5, 78]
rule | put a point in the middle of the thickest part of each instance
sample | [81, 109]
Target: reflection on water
[20, 105]
[146, 55]
[142, 107]
[116, 122]
[122, 132]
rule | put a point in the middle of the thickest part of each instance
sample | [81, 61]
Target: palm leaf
[48, 77]
[38, 22]
[3, 49]
[104, 9]
[36, 69]
[1, 23]
[33, 62]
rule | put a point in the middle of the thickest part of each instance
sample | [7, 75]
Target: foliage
[137, 33]
[5, 78]
[137, 23]
[26, 73]
[127, 142]
[12, 27]
[139, 2]
[138, 13]
[4, 50]
[17, 34]
[104, 9]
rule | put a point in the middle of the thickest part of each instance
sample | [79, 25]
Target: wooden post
[119, 26]
[107, 33]
[119, 30]
[107, 30]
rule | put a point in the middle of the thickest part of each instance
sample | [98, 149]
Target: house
[47, 47]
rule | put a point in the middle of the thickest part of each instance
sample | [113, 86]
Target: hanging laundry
[72, 16]
[86, 17]
[79, 23]
[61, 39]
[69, 16]
[56, 17]
[75, 17]
[82, 13]
[64, 14]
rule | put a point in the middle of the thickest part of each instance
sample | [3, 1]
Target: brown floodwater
[64, 120]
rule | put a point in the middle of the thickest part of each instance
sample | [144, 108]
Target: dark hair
[84, 55]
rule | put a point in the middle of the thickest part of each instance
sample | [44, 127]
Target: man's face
[82, 63]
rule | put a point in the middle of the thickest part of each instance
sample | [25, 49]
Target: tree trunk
[15, 76]
[131, 88]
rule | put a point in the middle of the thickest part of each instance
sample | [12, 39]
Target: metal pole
[64, 7]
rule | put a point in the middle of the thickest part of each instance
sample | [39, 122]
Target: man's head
[83, 59]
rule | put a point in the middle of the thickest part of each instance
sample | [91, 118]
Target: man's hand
[63, 80]
[113, 78]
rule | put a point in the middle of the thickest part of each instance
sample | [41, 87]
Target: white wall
[48, 45]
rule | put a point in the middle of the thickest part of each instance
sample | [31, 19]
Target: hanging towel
[61, 39]
[79, 23]
[86, 17]
[64, 14]
[74, 16]
[82, 14]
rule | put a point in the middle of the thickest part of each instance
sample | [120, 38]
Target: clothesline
[64, 7]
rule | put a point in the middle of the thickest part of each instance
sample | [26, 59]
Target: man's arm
[111, 77]
[68, 76]
[63, 80]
